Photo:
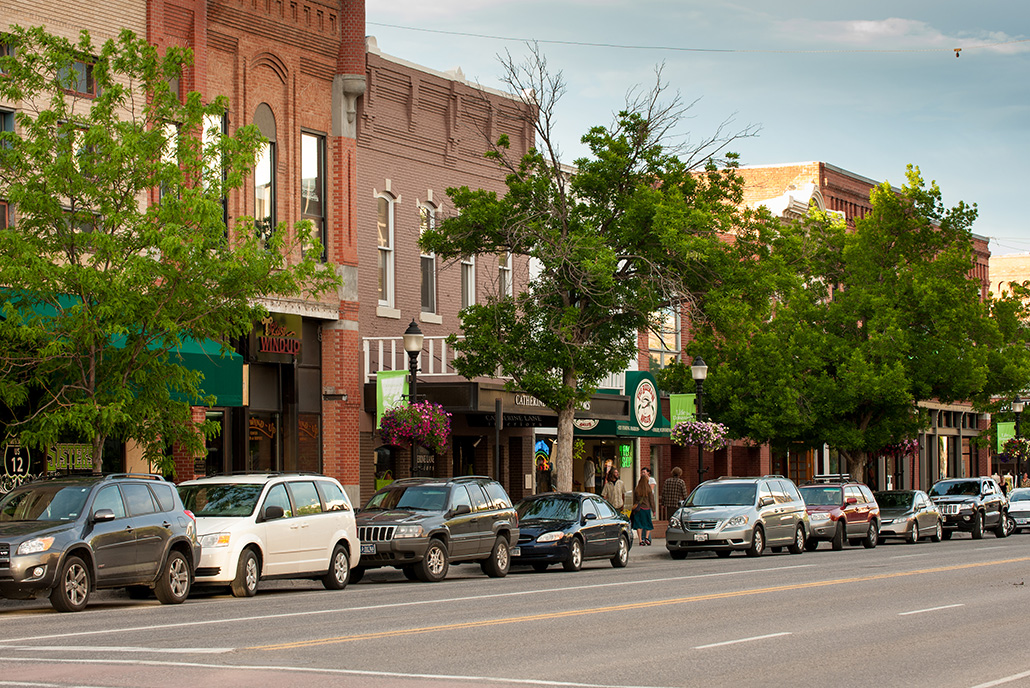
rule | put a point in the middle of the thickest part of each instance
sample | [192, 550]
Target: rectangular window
[78, 78]
[504, 285]
[384, 224]
[664, 337]
[312, 186]
[5, 51]
[427, 222]
[4, 222]
[264, 191]
[215, 127]
[468, 281]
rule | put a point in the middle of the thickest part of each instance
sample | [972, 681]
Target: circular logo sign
[585, 423]
[646, 403]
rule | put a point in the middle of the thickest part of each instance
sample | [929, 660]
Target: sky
[870, 86]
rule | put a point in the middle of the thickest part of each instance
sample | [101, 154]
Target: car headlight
[886, 521]
[408, 532]
[819, 516]
[736, 521]
[675, 522]
[212, 540]
[966, 507]
[553, 536]
[35, 545]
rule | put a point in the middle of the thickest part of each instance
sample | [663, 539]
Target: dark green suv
[422, 525]
[70, 536]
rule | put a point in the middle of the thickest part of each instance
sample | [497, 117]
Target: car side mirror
[461, 509]
[766, 501]
[273, 512]
[103, 515]
[589, 517]
[851, 500]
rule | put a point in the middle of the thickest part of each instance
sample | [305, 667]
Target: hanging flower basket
[708, 434]
[902, 448]
[1017, 448]
[423, 423]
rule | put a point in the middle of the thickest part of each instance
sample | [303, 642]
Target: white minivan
[272, 525]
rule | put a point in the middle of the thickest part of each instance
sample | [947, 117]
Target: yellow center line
[626, 607]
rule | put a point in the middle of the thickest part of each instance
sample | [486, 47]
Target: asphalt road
[947, 614]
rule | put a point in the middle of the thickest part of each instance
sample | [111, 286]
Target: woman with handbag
[643, 507]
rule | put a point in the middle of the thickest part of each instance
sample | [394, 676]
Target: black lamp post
[699, 371]
[1017, 409]
[413, 339]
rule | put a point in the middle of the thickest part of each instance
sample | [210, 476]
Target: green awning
[223, 373]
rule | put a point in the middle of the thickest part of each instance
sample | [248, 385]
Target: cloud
[895, 33]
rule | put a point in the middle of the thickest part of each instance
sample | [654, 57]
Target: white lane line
[909, 556]
[741, 640]
[1003, 681]
[393, 605]
[931, 609]
[475, 680]
[148, 650]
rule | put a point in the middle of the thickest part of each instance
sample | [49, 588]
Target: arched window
[264, 173]
[384, 225]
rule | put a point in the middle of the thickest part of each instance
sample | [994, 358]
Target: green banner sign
[682, 408]
[391, 388]
[1006, 431]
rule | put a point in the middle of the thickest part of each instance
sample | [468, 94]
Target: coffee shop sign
[278, 339]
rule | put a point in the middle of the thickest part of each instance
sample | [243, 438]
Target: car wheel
[574, 562]
[500, 559]
[1006, 526]
[913, 534]
[173, 585]
[338, 575]
[248, 573]
[938, 532]
[540, 567]
[434, 564]
[837, 543]
[723, 553]
[621, 557]
[872, 536]
[811, 544]
[799, 541]
[71, 594]
[757, 543]
[678, 554]
[356, 574]
[977, 529]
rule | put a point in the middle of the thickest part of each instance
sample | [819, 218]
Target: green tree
[612, 240]
[842, 333]
[103, 276]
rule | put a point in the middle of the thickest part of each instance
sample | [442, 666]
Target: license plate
[515, 551]
[700, 537]
[1022, 521]
[368, 548]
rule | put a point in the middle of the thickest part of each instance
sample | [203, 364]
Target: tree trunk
[98, 453]
[856, 465]
[563, 448]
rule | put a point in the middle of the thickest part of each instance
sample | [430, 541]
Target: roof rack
[230, 473]
[830, 478]
[141, 476]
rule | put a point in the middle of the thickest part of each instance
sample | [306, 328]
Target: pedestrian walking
[651, 481]
[674, 491]
[614, 490]
[643, 507]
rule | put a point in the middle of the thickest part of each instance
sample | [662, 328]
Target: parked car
[744, 514]
[423, 525]
[841, 509]
[1019, 508]
[908, 514]
[972, 505]
[267, 526]
[569, 528]
[71, 536]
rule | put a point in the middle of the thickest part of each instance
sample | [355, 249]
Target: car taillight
[190, 514]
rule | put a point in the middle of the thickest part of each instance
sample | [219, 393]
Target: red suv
[840, 509]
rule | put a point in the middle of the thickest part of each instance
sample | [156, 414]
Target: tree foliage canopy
[102, 274]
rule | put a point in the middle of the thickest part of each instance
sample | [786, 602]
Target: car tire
[757, 543]
[977, 527]
[248, 573]
[799, 541]
[173, 585]
[500, 559]
[872, 536]
[938, 532]
[71, 594]
[434, 564]
[338, 575]
[621, 557]
[540, 567]
[356, 574]
[678, 554]
[837, 543]
[1006, 526]
[912, 536]
[574, 562]
[723, 553]
[811, 544]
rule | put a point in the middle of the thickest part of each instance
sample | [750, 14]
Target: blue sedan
[569, 528]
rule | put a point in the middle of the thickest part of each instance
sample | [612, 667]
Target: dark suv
[70, 536]
[841, 509]
[972, 505]
[421, 525]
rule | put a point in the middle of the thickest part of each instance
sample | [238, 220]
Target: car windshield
[1020, 496]
[220, 499]
[44, 503]
[549, 509]
[822, 495]
[413, 497]
[895, 500]
[722, 495]
[958, 487]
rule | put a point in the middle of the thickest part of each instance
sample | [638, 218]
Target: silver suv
[746, 514]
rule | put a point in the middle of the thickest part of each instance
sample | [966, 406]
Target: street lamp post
[1017, 409]
[413, 339]
[699, 371]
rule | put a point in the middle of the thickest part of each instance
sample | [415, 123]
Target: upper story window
[78, 78]
[384, 225]
[264, 174]
[427, 222]
[4, 215]
[664, 338]
[215, 127]
[468, 281]
[313, 184]
[504, 283]
[5, 51]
